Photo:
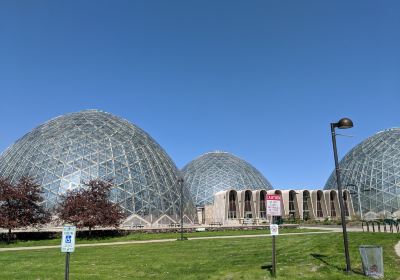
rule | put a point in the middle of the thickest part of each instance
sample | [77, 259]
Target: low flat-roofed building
[232, 207]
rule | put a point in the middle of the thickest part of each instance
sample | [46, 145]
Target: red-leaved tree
[90, 207]
[20, 204]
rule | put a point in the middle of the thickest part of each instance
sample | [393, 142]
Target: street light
[180, 181]
[341, 124]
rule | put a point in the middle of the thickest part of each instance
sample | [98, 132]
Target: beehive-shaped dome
[217, 171]
[373, 167]
[74, 148]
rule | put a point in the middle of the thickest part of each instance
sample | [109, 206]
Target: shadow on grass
[267, 267]
[324, 259]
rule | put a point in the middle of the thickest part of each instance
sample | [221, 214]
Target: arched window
[332, 201]
[346, 206]
[292, 206]
[320, 213]
[263, 210]
[232, 205]
[306, 205]
[247, 205]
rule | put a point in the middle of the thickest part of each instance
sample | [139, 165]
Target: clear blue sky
[259, 79]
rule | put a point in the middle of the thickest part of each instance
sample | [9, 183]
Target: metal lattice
[71, 149]
[217, 171]
[373, 169]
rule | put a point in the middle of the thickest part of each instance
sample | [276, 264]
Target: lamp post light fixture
[341, 124]
[180, 181]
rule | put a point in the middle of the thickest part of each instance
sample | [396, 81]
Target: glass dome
[217, 171]
[74, 148]
[373, 168]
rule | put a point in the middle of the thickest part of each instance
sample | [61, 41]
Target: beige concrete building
[233, 207]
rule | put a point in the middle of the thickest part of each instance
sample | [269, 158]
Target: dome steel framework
[74, 148]
[218, 171]
[373, 169]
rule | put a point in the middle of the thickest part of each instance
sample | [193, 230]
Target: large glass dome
[373, 168]
[74, 148]
[217, 171]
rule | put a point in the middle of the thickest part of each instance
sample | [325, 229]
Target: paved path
[335, 229]
[156, 241]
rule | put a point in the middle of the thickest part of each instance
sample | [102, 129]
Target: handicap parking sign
[68, 239]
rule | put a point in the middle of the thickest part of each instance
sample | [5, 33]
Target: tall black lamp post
[180, 181]
[341, 124]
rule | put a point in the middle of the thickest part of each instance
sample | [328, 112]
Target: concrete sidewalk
[335, 229]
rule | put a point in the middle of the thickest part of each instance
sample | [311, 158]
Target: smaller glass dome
[217, 171]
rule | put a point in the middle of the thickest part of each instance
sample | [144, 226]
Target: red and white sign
[274, 205]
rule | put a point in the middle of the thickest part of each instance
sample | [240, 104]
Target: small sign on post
[68, 245]
[68, 239]
[274, 228]
[273, 209]
[274, 205]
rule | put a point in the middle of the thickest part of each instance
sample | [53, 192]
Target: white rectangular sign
[68, 239]
[274, 228]
[274, 205]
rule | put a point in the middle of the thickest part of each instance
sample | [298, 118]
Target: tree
[90, 207]
[20, 204]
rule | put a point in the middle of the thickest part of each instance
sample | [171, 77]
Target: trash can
[372, 260]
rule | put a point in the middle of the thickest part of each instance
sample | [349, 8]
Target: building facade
[232, 207]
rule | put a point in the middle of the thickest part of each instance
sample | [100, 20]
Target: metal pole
[181, 181]
[359, 201]
[67, 265]
[273, 257]
[341, 204]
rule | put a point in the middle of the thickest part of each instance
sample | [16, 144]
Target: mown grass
[147, 236]
[316, 256]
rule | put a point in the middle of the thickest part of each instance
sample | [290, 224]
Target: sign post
[68, 246]
[273, 209]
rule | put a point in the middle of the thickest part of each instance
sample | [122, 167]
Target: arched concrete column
[320, 210]
[347, 199]
[332, 201]
[307, 205]
[233, 212]
[292, 203]
[220, 208]
[259, 197]
[246, 204]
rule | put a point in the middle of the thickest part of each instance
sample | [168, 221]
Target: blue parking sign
[68, 239]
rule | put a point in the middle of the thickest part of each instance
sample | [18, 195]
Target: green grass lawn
[318, 256]
[149, 236]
